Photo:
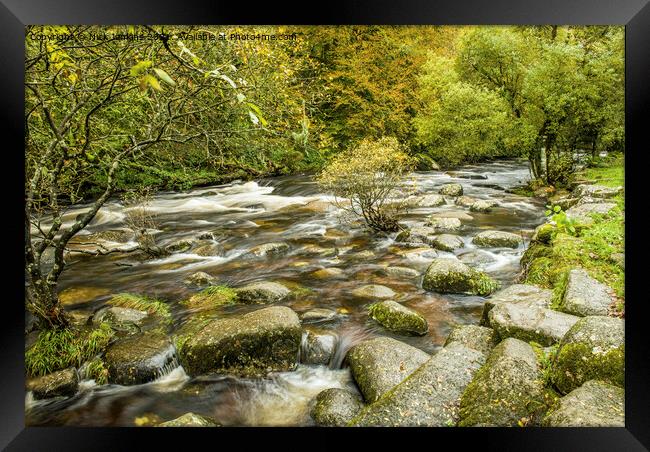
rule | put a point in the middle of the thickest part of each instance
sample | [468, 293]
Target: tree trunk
[43, 302]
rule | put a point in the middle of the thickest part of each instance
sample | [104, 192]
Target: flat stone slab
[517, 293]
[594, 404]
[582, 213]
[584, 295]
[597, 191]
[430, 396]
[476, 337]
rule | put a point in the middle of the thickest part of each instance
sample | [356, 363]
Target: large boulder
[189, 420]
[448, 275]
[447, 242]
[430, 396]
[63, 383]
[379, 364]
[451, 190]
[262, 292]
[517, 293]
[497, 239]
[443, 223]
[582, 213]
[253, 344]
[318, 348]
[139, 359]
[593, 349]
[374, 291]
[584, 295]
[398, 318]
[594, 404]
[597, 191]
[267, 250]
[530, 322]
[478, 338]
[507, 389]
[483, 206]
[335, 407]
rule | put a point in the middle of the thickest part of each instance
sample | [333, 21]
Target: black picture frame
[634, 14]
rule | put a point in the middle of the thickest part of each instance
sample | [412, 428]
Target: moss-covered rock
[594, 404]
[483, 206]
[189, 420]
[139, 359]
[150, 305]
[401, 272]
[448, 275]
[584, 295]
[430, 396]
[506, 391]
[253, 344]
[212, 297]
[335, 407]
[443, 223]
[262, 292]
[465, 201]
[593, 349]
[451, 190]
[477, 338]
[379, 364]
[398, 318]
[582, 213]
[535, 250]
[544, 233]
[517, 293]
[63, 383]
[430, 201]
[447, 242]
[326, 273]
[497, 239]
[180, 246]
[120, 318]
[199, 279]
[374, 291]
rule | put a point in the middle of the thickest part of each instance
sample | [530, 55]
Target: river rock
[582, 213]
[505, 390]
[483, 206]
[209, 249]
[497, 239]
[250, 345]
[199, 279]
[401, 272]
[465, 201]
[447, 242]
[451, 190]
[417, 235]
[120, 317]
[518, 293]
[461, 215]
[139, 359]
[530, 322]
[431, 201]
[379, 364]
[419, 254]
[374, 291]
[443, 224]
[597, 191]
[180, 246]
[477, 338]
[63, 383]
[335, 407]
[189, 420]
[430, 396]
[584, 295]
[318, 348]
[262, 292]
[267, 250]
[318, 315]
[594, 404]
[398, 318]
[330, 272]
[476, 258]
[448, 275]
[593, 349]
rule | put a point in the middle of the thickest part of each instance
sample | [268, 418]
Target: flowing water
[290, 210]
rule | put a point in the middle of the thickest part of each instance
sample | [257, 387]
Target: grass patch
[96, 370]
[212, 297]
[608, 171]
[150, 305]
[59, 349]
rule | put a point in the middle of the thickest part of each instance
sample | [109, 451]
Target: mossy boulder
[212, 297]
[584, 295]
[121, 319]
[535, 250]
[443, 223]
[430, 396]
[544, 233]
[447, 242]
[63, 383]
[335, 407]
[530, 322]
[374, 291]
[508, 389]
[465, 201]
[318, 348]
[262, 292]
[267, 250]
[497, 239]
[398, 318]
[477, 338]
[379, 364]
[448, 275]
[594, 404]
[189, 420]
[139, 359]
[593, 349]
[451, 190]
[483, 206]
[254, 344]
[517, 293]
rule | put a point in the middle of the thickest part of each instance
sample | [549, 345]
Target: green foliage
[141, 303]
[97, 370]
[563, 223]
[211, 297]
[59, 349]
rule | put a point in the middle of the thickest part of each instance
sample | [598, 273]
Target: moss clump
[536, 250]
[482, 284]
[141, 303]
[62, 348]
[577, 363]
[545, 233]
[396, 317]
[212, 297]
[96, 370]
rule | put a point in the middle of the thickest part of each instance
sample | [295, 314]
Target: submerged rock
[584, 295]
[262, 292]
[443, 224]
[189, 420]
[497, 239]
[483, 206]
[331, 272]
[447, 275]
[447, 242]
[401, 272]
[518, 293]
[199, 279]
[63, 383]
[398, 318]
[253, 344]
[507, 389]
[451, 190]
[268, 249]
[418, 235]
[477, 338]
[318, 315]
[594, 404]
[139, 359]
[318, 348]
[593, 349]
[582, 213]
[379, 364]
[374, 291]
[335, 407]
[430, 396]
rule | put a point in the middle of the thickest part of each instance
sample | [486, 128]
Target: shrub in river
[365, 181]
[59, 349]
[141, 303]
